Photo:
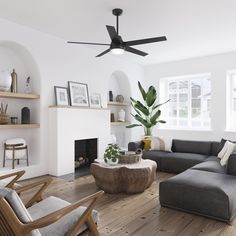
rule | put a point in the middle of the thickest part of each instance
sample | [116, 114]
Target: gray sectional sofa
[202, 186]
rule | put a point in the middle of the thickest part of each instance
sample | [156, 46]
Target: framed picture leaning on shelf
[95, 100]
[78, 94]
[61, 95]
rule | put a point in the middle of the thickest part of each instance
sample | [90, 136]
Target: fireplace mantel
[67, 125]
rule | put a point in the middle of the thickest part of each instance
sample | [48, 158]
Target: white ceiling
[193, 27]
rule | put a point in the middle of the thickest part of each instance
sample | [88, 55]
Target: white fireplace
[67, 124]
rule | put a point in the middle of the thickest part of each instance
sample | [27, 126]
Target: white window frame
[229, 99]
[164, 95]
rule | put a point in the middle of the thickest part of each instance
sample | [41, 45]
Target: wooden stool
[14, 148]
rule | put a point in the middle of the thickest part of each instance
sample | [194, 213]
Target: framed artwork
[95, 100]
[61, 95]
[78, 94]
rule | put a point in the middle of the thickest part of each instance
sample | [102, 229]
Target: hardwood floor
[138, 214]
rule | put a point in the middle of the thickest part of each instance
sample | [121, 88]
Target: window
[190, 98]
[231, 100]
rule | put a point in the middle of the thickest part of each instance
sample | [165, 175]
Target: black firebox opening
[85, 152]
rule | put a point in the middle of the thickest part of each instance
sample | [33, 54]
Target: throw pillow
[223, 150]
[230, 149]
[222, 143]
[161, 144]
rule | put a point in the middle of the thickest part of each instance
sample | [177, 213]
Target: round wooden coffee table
[128, 178]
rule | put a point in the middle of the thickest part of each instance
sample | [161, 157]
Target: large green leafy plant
[147, 112]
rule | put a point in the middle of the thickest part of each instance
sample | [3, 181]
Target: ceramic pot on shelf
[5, 80]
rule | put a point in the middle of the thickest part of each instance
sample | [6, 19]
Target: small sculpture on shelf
[25, 115]
[121, 115]
[28, 86]
[4, 118]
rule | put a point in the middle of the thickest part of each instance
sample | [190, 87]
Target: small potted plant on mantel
[147, 112]
[112, 154]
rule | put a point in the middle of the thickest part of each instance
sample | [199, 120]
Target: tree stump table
[128, 178]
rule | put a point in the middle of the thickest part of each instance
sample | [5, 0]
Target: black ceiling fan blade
[144, 41]
[111, 31]
[104, 44]
[136, 51]
[106, 51]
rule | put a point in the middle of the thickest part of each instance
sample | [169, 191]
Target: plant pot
[112, 161]
[147, 142]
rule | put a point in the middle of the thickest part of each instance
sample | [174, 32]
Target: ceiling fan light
[117, 51]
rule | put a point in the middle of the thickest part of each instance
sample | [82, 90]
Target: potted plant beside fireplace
[112, 154]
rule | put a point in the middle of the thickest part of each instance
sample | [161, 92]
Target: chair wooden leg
[4, 156]
[13, 158]
[27, 156]
[92, 226]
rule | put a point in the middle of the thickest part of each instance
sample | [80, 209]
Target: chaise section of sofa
[201, 192]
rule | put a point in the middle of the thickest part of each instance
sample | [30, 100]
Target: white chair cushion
[17, 205]
[19, 154]
[62, 226]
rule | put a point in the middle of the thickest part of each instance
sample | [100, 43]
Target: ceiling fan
[117, 45]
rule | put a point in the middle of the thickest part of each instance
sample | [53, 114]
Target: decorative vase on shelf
[14, 82]
[5, 80]
[120, 98]
[121, 115]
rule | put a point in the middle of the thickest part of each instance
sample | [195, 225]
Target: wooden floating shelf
[118, 104]
[79, 107]
[19, 126]
[117, 123]
[19, 95]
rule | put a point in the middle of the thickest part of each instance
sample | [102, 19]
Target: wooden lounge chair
[50, 216]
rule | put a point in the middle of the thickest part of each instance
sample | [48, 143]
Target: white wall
[59, 62]
[218, 66]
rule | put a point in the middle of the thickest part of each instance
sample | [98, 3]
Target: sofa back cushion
[215, 146]
[187, 146]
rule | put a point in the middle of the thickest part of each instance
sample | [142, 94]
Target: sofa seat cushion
[201, 192]
[62, 226]
[212, 166]
[156, 156]
[176, 162]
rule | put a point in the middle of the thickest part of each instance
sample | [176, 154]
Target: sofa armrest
[231, 166]
[133, 146]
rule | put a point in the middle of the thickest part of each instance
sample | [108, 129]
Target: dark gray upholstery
[133, 146]
[215, 148]
[211, 166]
[205, 187]
[201, 192]
[187, 146]
[176, 162]
[231, 166]
[155, 156]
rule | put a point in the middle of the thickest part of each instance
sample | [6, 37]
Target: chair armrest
[17, 175]
[37, 197]
[231, 165]
[57, 215]
[133, 146]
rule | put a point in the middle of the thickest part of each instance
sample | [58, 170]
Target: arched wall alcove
[119, 84]
[16, 56]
